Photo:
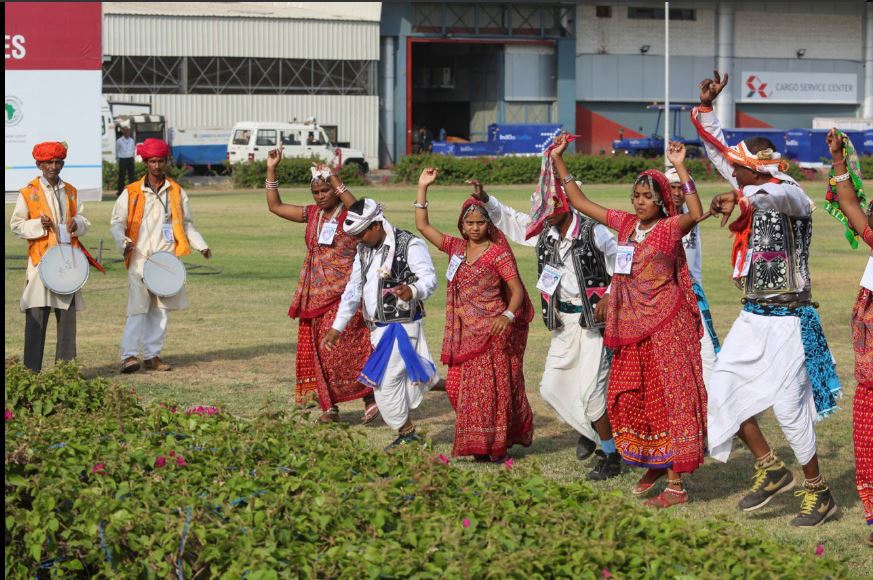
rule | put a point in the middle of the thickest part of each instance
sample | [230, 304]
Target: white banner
[790, 87]
[34, 114]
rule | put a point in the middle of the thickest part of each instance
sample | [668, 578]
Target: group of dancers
[634, 366]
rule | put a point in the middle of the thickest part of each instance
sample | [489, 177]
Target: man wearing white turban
[775, 354]
[391, 278]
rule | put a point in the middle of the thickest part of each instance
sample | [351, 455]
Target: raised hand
[560, 146]
[428, 176]
[676, 153]
[710, 89]
[478, 190]
[835, 145]
[274, 156]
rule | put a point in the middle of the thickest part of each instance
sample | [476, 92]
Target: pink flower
[9, 415]
[819, 550]
[172, 453]
[201, 410]
[508, 463]
[466, 522]
[99, 469]
[443, 459]
[160, 461]
[606, 573]
[180, 461]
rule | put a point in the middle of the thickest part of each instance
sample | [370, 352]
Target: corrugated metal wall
[138, 35]
[357, 117]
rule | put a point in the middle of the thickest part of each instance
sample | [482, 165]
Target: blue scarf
[418, 368]
[705, 314]
[819, 361]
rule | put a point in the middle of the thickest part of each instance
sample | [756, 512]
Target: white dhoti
[144, 333]
[397, 395]
[762, 364]
[707, 355]
[576, 375]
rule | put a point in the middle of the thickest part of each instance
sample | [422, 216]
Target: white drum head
[164, 274]
[64, 269]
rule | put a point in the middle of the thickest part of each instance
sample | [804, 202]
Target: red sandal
[679, 496]
[642, 487]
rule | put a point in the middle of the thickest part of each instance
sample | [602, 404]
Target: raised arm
[707, 122]
[577, 199]
[433, 235]
[848, 198]
[676, 156]
[512, 223]
[289, 211]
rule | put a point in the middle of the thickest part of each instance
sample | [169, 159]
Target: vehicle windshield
[242, 136]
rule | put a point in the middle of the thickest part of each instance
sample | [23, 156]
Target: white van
[252, 141]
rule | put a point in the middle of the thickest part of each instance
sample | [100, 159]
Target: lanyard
[56, 190]
[333, 217]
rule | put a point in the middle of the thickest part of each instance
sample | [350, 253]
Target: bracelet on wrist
[509, 314]
[688, 187]
[420, 205]
[271, 184]
[341, 189]
[568, 178]
[844, 177]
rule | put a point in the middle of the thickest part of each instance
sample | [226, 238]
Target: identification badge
[454, 264]
[624, 259]
[747, 264]
[328, 233]
[549, 280]
[867, 278]
[167, 230]
[63, 234]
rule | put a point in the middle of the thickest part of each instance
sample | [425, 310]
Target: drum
[164, 274]
[64, 269]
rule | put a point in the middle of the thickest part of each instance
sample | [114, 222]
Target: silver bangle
[568, 178]
[271, 184]
[421, 205]
[509, 314]
[844, 177]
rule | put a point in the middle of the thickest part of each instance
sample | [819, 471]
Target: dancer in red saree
[330, 253]
[656, 400]
[845, 196]
[487, 316]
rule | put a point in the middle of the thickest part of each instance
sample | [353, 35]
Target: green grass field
[234, 346]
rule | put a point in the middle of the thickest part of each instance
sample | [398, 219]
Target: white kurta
[151, 240]
[576, 372]
[36, 295]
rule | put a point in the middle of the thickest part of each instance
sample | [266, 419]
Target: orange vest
[37, 205]
[136, 206]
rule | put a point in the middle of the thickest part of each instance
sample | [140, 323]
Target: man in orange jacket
[151, 215]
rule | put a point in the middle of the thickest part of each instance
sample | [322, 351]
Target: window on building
[603, 11]
[652, 13]
[266, 138]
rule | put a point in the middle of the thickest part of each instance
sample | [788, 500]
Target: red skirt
[862, 415]
[331, 374]
[491, 406]
[657, 400]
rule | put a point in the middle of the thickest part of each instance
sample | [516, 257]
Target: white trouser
[144, 332]
[576, 376]
[707, 355]
[397, 395]
[762, 364]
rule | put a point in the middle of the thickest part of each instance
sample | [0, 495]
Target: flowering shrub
[156, 493]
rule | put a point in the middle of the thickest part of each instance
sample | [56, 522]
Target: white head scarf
[673, 176]
[322, 174]
[357, 223]
[764, 161]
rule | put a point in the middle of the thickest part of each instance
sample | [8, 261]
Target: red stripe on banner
[747, 121]
[53, 36]
[598, 132]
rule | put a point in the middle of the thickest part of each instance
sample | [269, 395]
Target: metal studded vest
[589, 267]
[389, 308]
[780, 255]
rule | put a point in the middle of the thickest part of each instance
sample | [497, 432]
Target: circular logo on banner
[14, 112]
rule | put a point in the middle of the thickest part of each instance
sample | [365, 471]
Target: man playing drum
[47, 211]
[150, 216]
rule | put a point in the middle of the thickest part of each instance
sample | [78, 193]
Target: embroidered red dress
[323, 276]
[862, 416]
[485, 382]
[656, 397]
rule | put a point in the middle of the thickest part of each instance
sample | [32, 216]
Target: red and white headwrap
[49, 150]
[153, 148]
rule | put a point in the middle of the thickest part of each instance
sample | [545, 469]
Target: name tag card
[624, 259]
[867, 278]
[167, 231]
[328, 233]
[63, 234]
[746, 265]
[454, 263]
[549, 280]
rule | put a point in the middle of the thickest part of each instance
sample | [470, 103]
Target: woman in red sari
[845, 179]
[656, 398]
[487, 316]
[330, 252]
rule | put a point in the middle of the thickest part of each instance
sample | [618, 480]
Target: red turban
[49, 150]
[153, 148]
